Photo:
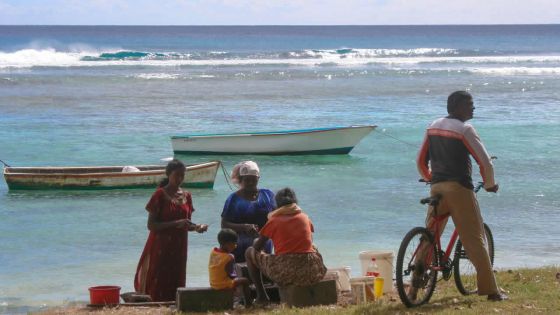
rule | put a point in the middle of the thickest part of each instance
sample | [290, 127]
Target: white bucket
[362, 289]
[342, 277]
[384, 260]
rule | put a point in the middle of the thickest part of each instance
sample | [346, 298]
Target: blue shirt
[240, 210]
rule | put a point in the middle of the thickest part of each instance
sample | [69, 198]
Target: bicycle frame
[421, 256]
[443, 259]
[441, 263]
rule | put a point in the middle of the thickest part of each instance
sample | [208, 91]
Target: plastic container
[342, 277]
[378, 287]
[373, 268]
[362, 289]
[384, 260]
[358, 291]
[104, 295]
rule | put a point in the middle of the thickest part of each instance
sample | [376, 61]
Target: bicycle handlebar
[476, 188]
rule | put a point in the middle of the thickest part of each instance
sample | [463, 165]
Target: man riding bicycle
[448, 144]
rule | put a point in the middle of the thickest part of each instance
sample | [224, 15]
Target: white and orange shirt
[446, 150]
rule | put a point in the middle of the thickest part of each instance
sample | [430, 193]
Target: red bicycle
[417, 276]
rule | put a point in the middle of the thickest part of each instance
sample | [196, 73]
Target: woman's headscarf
[243, 169]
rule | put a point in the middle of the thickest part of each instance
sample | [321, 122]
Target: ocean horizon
[114, 95]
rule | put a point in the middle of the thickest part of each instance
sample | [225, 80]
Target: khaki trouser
[461, 203]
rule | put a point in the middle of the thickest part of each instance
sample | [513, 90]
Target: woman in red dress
[163, 264]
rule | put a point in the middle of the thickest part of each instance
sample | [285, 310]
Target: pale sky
[278, 12]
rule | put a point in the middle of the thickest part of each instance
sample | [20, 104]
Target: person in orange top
[295, 261]
[221, 266]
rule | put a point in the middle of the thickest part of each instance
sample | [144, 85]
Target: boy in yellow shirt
[221, 267]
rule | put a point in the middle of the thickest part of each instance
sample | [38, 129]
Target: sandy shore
[344, 300]
[116, 310]
[531, 291]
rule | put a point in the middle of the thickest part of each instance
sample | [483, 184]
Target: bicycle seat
[432, 201]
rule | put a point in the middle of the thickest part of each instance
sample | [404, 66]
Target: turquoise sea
[104, 95]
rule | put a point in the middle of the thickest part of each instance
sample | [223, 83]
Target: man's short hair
[227, 236]
[457, 98]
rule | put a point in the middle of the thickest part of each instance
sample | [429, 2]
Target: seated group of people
[253, 222]
[258, 217]
[295, 261]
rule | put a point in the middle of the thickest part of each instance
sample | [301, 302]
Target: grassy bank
[530, 291]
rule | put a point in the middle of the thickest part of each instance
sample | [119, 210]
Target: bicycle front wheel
[463, 270]
[416, 279]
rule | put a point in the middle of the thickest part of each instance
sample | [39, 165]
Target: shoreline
[529, 289]
[57, 244]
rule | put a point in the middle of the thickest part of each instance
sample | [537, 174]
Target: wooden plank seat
[204, 299]
[322, 293]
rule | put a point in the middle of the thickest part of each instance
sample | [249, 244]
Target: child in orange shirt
[221, 267]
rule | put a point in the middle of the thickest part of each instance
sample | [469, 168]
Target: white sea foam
[152, 76]
[346, 53]
[49, 57]
[517, 70]
[39, 57]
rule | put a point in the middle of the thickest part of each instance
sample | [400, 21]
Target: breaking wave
[440, 57]
[157, 76]
[369, 53]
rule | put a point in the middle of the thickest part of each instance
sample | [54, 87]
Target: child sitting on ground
[221, 267]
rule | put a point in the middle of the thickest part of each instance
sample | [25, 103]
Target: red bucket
[104, 295]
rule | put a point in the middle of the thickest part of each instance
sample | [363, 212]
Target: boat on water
[105, 177]
[333, 140]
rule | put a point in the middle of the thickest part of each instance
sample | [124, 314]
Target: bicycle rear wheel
[464, 271]
[416, 280]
